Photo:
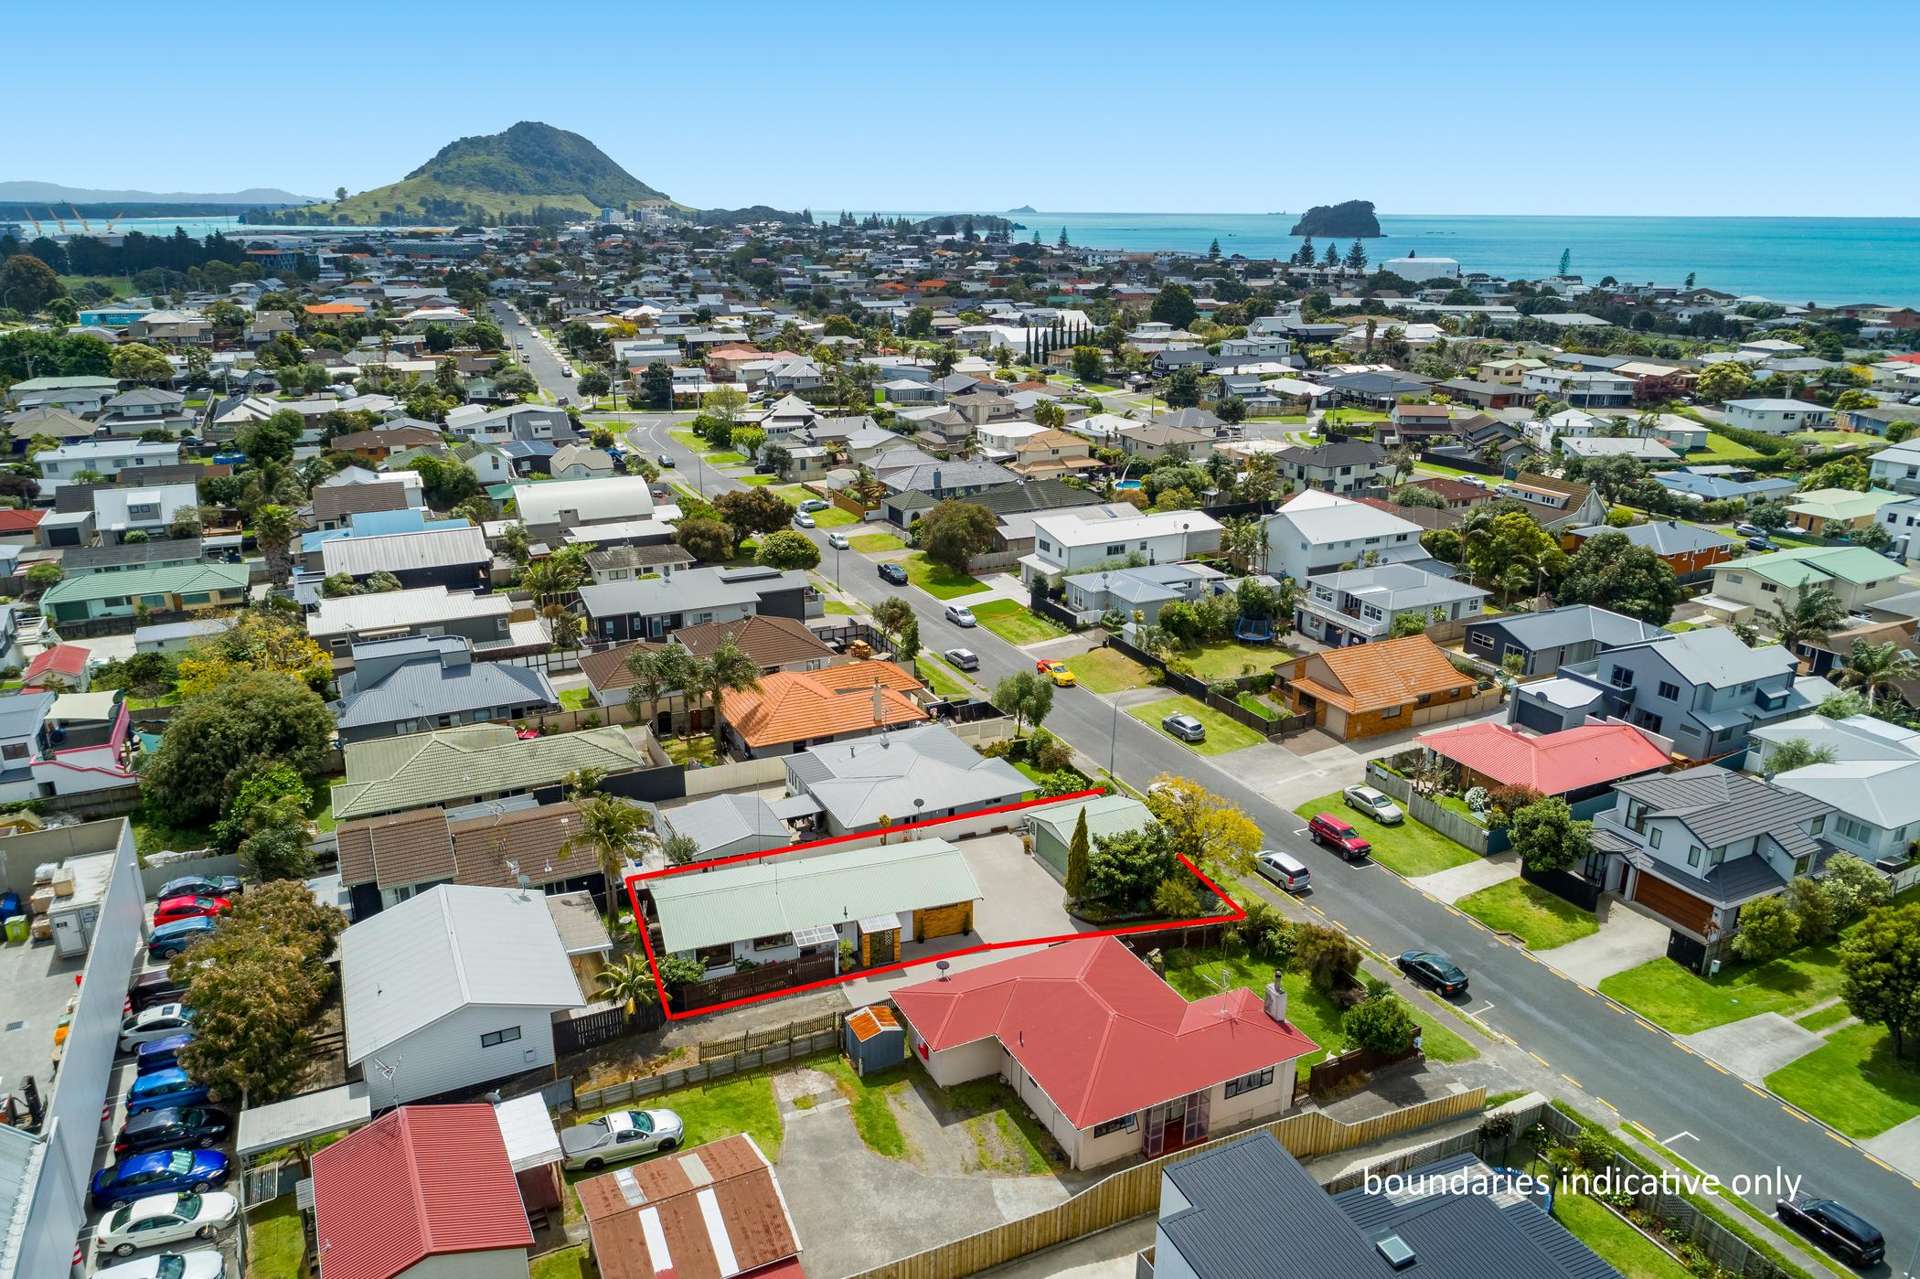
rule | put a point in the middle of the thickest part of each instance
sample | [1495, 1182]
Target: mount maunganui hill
[1348, 218]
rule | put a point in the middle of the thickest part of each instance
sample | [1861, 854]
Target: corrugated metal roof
[400, 552]
[396, 773]
[172, 580]
[425, 688]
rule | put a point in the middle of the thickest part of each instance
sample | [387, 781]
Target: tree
[748, 439]
[1813, 908]
[1216, 834]
[628, 981]
[27, 284]
[262, 799]
[754, 510]
[1231, 410]
[278, 850]
[1727, 380]
[708, 541]
[1173, 305]
[1183, 388]
[788, 549]
[1089, 363]
[1025, 695]
[656, 387]
[273, 529]
[1609, 571]
[1381, 1023]
[955, 531]
[1769, 513]
[259, 640]
[1795, 752]
[1547, 837]
[1356, 259]
[218, 738]
[1878, 668]
[1840, 473]
[1566, 260]
[1125, 868]
[1769, 928]
[1811, 617]
[612, 829]
[657, 672]
[1854, 888]
[1880, 959]
[1078, 852]
[138, 362]
[1509, 549]
[1328, 956]
[44, 576]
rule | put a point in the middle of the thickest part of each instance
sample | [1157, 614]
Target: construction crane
[118, 217]
[75, 210]
[57, 219]
[38, 233]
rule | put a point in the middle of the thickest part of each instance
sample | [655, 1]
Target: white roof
[313, 1114]
[527, 1129]
[454, 946]
[616, 497]
[1881, 792]
[1856, 739]
[1560, 691]
[392, 609]
[1070, 529]
[1323, 517]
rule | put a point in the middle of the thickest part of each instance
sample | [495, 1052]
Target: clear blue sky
[1678, 107]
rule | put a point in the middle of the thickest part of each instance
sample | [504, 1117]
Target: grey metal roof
[426, 687]
[1714, 655]
[719, 820]
[1399, 586]
[399, 552]
[1339, 453]
[1662, 537]
[863, 779]
[687, 591]
[84, 559]
[1570, 624]
[1721, 806]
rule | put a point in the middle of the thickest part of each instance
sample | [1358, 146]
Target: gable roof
[863, 779]
[1385, 673]
[1324, 517]
[331, 501]
[768, 640]
[712, 1212]
[1554, 763]
[395, 773]
[426, 686]
[419, 1182]
[1097, 1030]
[1570, 624]
[172, 580]
[1812, 565]
[1721, 806]
[791, 706]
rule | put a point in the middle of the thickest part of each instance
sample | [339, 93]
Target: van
[1284, 869]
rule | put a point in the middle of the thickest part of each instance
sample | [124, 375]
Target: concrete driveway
[1455, 882]
[1754, 1047]
[1628, 937]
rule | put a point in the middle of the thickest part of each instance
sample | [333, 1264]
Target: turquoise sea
[1826, 260]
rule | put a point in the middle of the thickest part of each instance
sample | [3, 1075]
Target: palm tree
[612, 828]
[628, 980]
[1876, 668]
[729, 670]
[657, 673]
[1400, 462]
[1811, 617]
[273, 529]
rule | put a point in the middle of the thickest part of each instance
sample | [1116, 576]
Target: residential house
[1582, 388]
[726, 825]
[1111, 1060]
[1896, 467]
[1052, 827]
[144, 408]
[174, 638]
[334, 505]
[551, 507]
[1364, 604]
[1546, 640]
[62, 668]
[456, 558]
[1777, 417]
[380, 443]
[577, 462]
[1485, 394]
[340, 623]
[1094, 536]
[1718, 483]
[100, 597]
[915, 774]
[713, 1212]
[1837, 512]
[386, 860]
[150, 510]
[63, 743]
[80, 395]
[1688, 549]
[1139, 593]
[452, 988]
[1694, 847]
[1555, 503]
[774, 644]
[1875, 803]
[624, 562]
[1348, 467]
[1154, 441]
[1382, 687]
[418, 683]
[471, 763]
[488, 462]
[1575, 763]
[1051, 454]
[78, 561]
[1648, 452]
[1457, 494]
[1318, 532]
[792, 710]
[655, 607]
[106, 458]
[1750, 589]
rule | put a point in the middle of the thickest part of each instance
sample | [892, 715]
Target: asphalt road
[537, 358]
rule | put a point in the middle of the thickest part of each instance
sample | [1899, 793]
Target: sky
[1685, 107]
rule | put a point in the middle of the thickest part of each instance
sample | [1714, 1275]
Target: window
[1390, 712]
[772, 942]
[1481, 639]
[1621, 677]
[1669, 691]
[1801, 863]
[1817, 825]
[1653, 837]
[13, 750]
[1126, 1123]
[1852, 829]
[1693, 854]
[715, 956]
[494, 1038]
[1114, 552]
[1769, 588]
[1247, 1083]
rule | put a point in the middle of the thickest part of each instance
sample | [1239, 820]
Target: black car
[201, 886]
[157, 987]
[1835, 1227]
[893, 573]
[1433, 970]
[174, 1128]
[666, 460]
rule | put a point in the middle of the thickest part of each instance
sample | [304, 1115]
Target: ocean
[1830, 261]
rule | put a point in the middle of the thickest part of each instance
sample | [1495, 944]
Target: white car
[960, 615]
[802, 520]
[156, 1022]
[160, 1219]
[839, 542]
[201, 1263]
[1374, 804]
[624, 1134]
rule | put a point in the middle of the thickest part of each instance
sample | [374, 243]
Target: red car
[1330, 832]
[177, 908]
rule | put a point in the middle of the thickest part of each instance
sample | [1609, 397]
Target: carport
[298, 1120]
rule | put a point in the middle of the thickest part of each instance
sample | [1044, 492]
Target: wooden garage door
[1683, 908]
[943, 921]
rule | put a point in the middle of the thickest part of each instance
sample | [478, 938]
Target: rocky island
[1352, 218]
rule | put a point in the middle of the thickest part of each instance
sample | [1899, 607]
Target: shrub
[1381, 1024]
[1505, 800]
[1769, 928]
[1854, 888]
[1328, 955]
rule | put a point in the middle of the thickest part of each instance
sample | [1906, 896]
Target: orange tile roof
[792, 706]
[1369, 677]
[336, 308]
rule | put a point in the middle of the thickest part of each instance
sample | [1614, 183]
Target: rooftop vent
[1394, 1250]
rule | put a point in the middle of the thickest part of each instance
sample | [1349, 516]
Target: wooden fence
[1135, 1191]
[579, 1029]
[778, 976]
[755, 1040]
[718, 1068]
[1331, 1073]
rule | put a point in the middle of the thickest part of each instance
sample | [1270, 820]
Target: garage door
[1681, 907]
[1541, 719]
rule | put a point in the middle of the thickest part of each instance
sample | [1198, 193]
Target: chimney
[1276, 1001]
[879, 701]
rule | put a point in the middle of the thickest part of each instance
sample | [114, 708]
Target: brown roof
[607, 669]
[770, 641]
[397, 437]
[1366, 677]
[1573, 493]
[1427, 517]
[396, 849]
[664, 1197]
[534, 838]
[333, 501]
[793, 706]
[1454, 490]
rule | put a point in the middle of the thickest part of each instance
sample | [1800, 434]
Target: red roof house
[17, 520]
[1574, 761]
[1110, 1058]
[64, 663]
[713, 1212]
[419, 1182]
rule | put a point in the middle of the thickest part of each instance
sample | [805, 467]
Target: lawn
[938, 675]
[741, 1103]
[872, 543]
[1835, 439]
[873, 1116]
[839, 608]
[576, 699]
[151, 835]
[1251, 701]
[1831, 1015]
[1721, 449]
[937, 580]
[1409, 849]
[564, 1263]
[691, 750]
[1108, 670]
[1225, 659]
[756, 481]
[1531, 913]
[1853, 1083]
[1614, 1239]
[277, 1241]
[1015, 623]
[1223, 734]
[1662, 991]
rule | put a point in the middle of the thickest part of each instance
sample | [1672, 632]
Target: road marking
[1609, 1105]
[1875, 1159]
[1647, 1025]
[1589, 993]
[1482, 1010]
[1717, 1066]
[1616, 1008]
[1689, 1052]
[1758, 1092]
[1570, 1079]
[1842, 1140]
[1537, 1057]
[1796, 1114]
[1451, 910]
[1677, 1136]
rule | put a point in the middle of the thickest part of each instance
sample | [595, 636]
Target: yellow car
[1057, 671]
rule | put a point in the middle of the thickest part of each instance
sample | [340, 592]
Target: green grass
[839, 608]
[1664, 992]
[1225, 659]
[937, 580]
[151, 835]
[1836, 439]
[1853, 1082]
[1721, 449]
[576, 699]
[1259, 705]
[171, 698]
[1832, 1015]
[1495, 1100]
[1408, 849]
[1531, 913]
[1108, 670]
[756, 481]
[873, 1116]
[564, 1263]
[1223, 734]
[1614, 1239]
[1438, 1040]
[834, 517]
[939, 676]
[871, 543]
[1006, 1136]
[741, 1103]
[691, 750]
[277, 1241]
[120, 284]
[1015, 623]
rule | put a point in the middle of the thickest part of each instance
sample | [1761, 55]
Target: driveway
[1628, 937]
[1755, 1047]
[1455, 882]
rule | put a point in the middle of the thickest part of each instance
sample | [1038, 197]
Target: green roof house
[470, 763]
[1856, 576]
[1052, 827]
[1829, 511]
[186, 588]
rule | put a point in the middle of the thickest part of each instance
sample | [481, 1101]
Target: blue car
[158, 1172]
[160, 1054]
[169, 940]
[163, 1088]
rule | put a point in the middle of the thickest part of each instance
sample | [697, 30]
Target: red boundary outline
[1234, 911]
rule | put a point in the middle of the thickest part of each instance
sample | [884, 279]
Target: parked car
[174, 1128]
[169, 940]
[894, 573]
[201, 886]
[161, 1219]
[1329, 831]
[1433, 970]
[624, 1134]
[962, 659]
[158, 1022]
[158, 1172]
[1185, 727]
[802, 520]
[814, 504]
[1746, 529]
[1374, 804]
[1835, 1227]
[172, 909]
[961, 615]
[152, 988]
[839, 542]
[666, 460]
[1284, 869]
[160, 1054]
[164, 1088]
[1057, 671]
[201, 1263]
[1760, 544]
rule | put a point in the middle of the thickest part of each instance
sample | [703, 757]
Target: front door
[1175, 1124]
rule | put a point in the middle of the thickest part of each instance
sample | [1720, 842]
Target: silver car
[1185, 727]
[624, 1134]
[1374, 804]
